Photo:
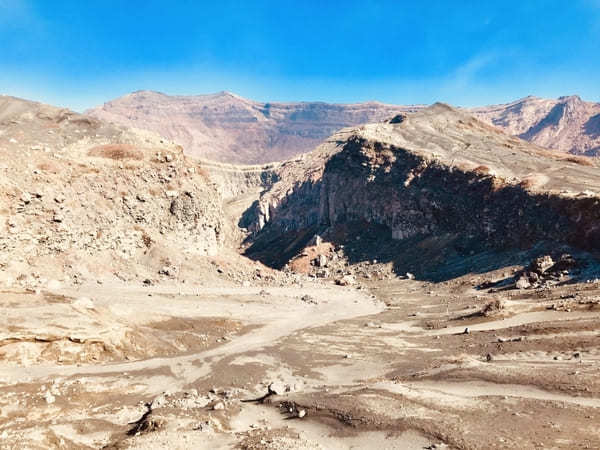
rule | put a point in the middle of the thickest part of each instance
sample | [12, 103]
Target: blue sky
[80, 53]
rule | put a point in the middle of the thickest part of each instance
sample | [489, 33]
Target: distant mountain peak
[441, 106]
[565, 123]
[570, 98]
[145, 92]
[228, 94]
[226, 127]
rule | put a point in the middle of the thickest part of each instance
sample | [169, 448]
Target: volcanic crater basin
[439, 338]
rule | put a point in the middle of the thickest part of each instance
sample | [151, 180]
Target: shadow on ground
[430, 258]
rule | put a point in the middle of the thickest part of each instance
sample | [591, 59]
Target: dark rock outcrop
[438, 173]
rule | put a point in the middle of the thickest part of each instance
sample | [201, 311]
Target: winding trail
[333, 305]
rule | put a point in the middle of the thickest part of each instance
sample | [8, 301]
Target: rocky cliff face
[79, 196]
[567, 124]
[235, 181]
[228, 128]
[439, 172]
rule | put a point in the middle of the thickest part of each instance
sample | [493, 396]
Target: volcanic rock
[438, 173]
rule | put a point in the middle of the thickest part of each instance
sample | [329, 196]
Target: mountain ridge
[567, 124]
[227, 127]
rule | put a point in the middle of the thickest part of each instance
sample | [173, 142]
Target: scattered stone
[201, 426]
[309, 299]
[159, 401]
[218, 406]
[167, 271]
[566, 262]
[522, 283]
[541, 264]
[49, 397]
[544, 272]
[398, 118]
[322, 261]
[323, 273]
[276, 388]
[437, 446]
[492, 307]
[346, 280]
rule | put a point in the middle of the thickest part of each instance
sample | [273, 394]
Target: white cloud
[464, 75]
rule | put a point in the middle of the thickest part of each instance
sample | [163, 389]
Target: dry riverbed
[396, 364]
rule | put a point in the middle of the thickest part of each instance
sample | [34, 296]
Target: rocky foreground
[425, 282]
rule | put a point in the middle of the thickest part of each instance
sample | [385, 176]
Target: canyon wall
[439, 172]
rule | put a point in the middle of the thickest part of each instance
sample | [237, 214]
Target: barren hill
[568, 124]
[228, 128]
[436, 174]
[80, 197]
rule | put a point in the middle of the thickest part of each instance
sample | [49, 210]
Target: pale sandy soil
[366, 375]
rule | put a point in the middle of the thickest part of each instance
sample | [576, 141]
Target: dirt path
[273, 324]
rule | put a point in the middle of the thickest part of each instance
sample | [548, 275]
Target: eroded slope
[438, 173]
[81, 198]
